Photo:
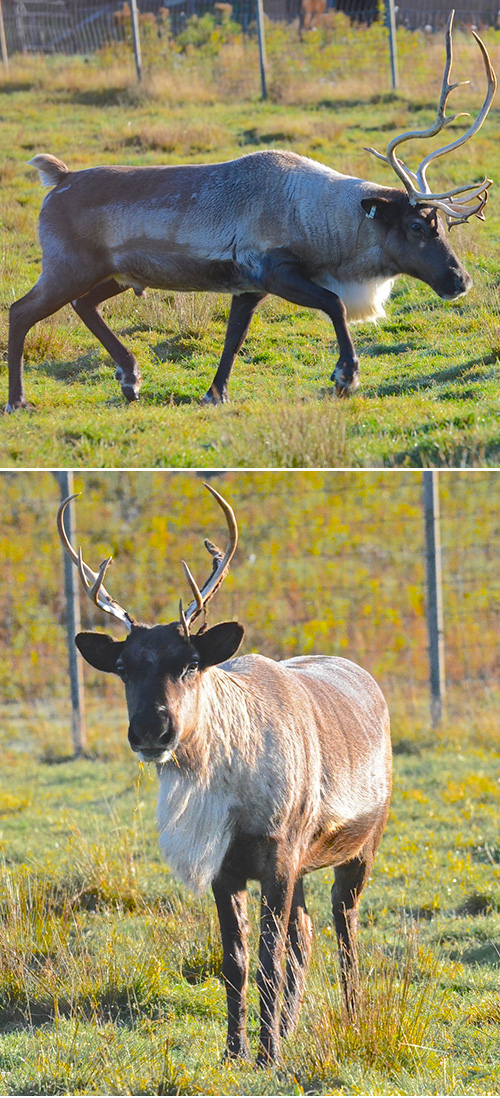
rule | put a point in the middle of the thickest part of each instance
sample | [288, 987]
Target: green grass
[429, 372]
[110, 971]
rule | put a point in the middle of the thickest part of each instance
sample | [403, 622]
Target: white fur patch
[363, 300]
[194, 831]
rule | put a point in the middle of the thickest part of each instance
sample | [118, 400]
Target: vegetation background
[429, 389]
[109, 971]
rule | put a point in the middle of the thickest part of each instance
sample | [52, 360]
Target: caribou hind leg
[242, 309]
[299, 946]
[47, 296]
[350, 880]
[87, 307]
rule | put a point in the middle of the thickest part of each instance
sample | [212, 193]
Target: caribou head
[160, 665]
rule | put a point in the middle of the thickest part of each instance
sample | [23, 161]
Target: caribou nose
[151, 731]
[458, 283]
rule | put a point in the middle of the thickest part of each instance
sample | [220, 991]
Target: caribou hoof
[346, 380]
[19, 405]
[130, 392]
[214, 397]
[130, 384]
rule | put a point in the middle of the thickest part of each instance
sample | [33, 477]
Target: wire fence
[76, 27]
[328, 562]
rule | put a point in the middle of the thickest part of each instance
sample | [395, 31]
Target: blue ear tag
[372, 212]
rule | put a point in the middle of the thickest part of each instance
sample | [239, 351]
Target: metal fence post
[3, 43]
[435, 626]
[78, 732]
[262, 47]
[391, 23]
[136, 38]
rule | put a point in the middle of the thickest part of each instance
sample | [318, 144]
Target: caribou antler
[220, 565]
[92, 582]
[473, 197]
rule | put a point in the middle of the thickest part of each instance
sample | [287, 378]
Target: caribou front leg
[242, 309]
[277, 891]
[285, 277]
[231, 899]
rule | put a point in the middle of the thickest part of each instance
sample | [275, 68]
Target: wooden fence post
[435, 625]
[65, 481]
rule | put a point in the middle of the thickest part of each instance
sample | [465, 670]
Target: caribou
[267, 771]
[267, 223]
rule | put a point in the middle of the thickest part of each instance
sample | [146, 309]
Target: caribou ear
[383, 209]
[218, 643]
[99, 650]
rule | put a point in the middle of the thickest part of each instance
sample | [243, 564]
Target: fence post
[3, 43]
[435, 625]
[391, 23]
[136, 38]
[65, 481]
[262, 47]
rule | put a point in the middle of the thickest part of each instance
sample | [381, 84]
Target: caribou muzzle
[456, 283]
[152, 734]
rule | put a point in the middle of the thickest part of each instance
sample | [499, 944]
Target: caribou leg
[299, 946]
[285, 277]
[42, 301]
[127, 369]
[242, 309]
[231, 899]
[277, 891]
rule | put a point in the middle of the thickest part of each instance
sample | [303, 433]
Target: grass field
[110, 973]
[429, 388]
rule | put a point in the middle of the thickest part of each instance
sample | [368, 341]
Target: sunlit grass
[429, 372]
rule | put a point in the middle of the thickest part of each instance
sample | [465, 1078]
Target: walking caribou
[267, 770]
[268, 223]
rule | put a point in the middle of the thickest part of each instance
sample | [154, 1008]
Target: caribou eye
[190, 669]
[418, 228]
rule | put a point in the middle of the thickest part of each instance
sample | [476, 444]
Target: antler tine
[194, 587]
[92, 582]
[221, 562]
[473, 129]
[416, 182]
[182, 619]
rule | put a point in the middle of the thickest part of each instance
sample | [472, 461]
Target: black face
[161, 671]
[415, 243]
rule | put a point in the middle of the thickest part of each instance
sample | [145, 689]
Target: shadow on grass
[485, 954]
[474, 369]
[459, 456]
[10, 87]
[120, 1005]
[89, 365]
[70, 371]
[104, 97]
[178, 348]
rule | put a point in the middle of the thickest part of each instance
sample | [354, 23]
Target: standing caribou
[267, 770]
[268, 223]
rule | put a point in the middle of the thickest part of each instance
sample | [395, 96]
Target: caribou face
[415, 243]
[161, 669]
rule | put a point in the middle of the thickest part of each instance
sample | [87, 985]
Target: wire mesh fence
[73, 26]
[328, 562]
